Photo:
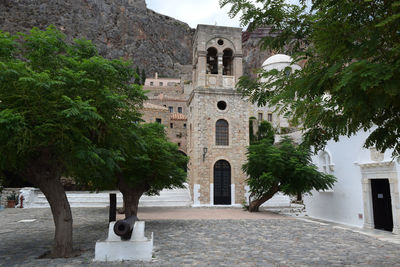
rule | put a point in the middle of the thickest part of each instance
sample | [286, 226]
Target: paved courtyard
[201, 237]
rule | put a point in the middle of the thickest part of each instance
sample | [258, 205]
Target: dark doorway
[222, 183]
[382, 204]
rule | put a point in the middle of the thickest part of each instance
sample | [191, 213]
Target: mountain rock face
[119, 28]
[123, 29]
[253, 56]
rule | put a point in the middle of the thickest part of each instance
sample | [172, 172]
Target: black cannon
[123, 228]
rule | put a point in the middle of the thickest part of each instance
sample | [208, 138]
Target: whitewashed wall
[345, 202]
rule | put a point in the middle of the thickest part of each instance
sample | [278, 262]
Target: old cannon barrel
[123, 228]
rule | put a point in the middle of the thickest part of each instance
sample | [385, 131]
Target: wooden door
[222, 183]
[382, 204]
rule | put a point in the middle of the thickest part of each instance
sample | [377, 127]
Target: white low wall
[34, 198]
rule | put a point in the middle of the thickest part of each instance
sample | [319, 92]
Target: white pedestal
[139, 248]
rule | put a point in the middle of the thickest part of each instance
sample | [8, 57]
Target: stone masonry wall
[178, 134]
[150, 115]
[202, 118]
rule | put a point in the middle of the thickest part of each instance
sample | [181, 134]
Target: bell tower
[217, 56]
[218, 131]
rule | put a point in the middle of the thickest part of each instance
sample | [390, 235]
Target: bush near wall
[8, 192]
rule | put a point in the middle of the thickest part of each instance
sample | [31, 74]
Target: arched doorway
[222, 183]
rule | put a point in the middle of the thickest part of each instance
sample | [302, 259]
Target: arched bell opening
[212, 61]
[228, 62]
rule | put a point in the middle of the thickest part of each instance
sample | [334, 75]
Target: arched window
[325, 162]
[222, 133]
[212, 61]
[228, 62]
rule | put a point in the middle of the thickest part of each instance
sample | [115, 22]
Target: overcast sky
[194, 12]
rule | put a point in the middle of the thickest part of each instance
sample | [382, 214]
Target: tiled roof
[154, 107]
[178, 117]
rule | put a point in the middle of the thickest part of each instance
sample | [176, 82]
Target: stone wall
[202, 118]
[178, 134]
[175, 103]
[150, 115]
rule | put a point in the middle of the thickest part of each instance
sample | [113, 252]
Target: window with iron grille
[222, 133]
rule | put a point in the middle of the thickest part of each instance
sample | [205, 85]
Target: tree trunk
[62, 216]
[255, 204]
[131, 196]
[45, 174]
[299, 197]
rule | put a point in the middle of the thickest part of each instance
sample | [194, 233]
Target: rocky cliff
[119, 28]
[253, 56]
[123, 28]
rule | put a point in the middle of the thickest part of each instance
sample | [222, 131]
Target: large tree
[350, 80]
[154, 165]
[61, 110]
[283, 167]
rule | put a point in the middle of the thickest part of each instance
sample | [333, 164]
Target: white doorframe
[381, 170]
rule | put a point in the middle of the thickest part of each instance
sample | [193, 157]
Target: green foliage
[251, 130]
[66, 101]
[266, 132]
[285, 166]
[140, 76]
[1, 184]
[13, 196]
[351, 74]
[156, 164]
[137, 76]
[143, 76]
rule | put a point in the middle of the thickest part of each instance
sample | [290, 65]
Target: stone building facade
[217, 118]
[166, 104]
[154, 113]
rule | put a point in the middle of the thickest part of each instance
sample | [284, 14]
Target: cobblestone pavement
[275, 241]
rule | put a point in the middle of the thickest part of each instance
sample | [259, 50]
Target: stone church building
[214, 132]
[217, 118]
[208, 119]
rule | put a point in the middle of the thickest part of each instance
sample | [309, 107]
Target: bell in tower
[217, 56]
